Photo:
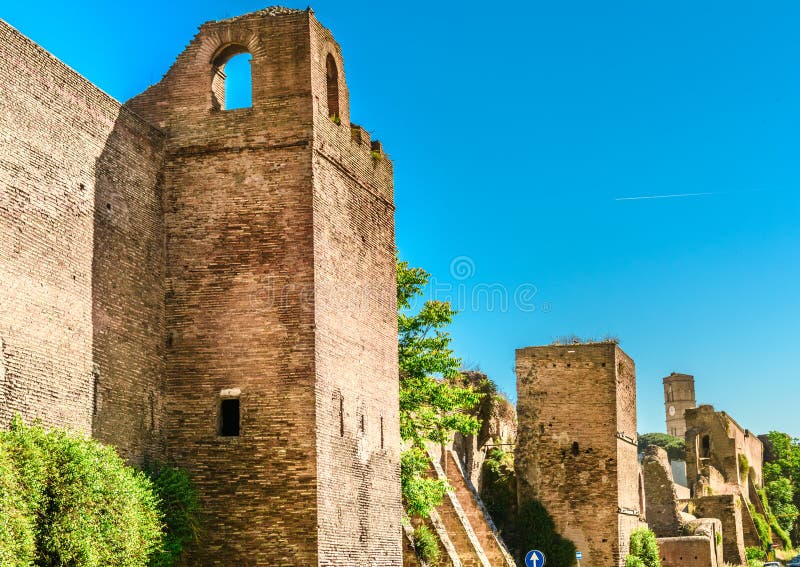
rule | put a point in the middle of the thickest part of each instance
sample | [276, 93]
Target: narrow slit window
[341, 416]
[382, 432]
[229, 417]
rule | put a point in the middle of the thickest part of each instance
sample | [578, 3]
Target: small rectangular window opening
[382, 432]
[229, 417]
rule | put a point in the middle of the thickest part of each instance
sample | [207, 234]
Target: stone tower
[576, 444]
[678, 397]
[281, 373]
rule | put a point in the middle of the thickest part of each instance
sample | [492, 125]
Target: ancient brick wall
[165, 267]
[357, 387]
[714, 439]
[662, 501]
[281, 288]
[687, 551]
[728, 509]
[576, 446]
[81, 306]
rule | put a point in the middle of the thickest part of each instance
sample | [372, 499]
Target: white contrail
[674, 196]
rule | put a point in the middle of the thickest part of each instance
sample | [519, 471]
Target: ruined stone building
[723, 472]
[576, 444]
[720, 454]
[678, 397]
[213, 287]
[683, 539]
[724, 467]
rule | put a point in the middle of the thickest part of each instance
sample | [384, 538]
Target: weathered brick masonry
[576, 446]
[168, 256]
[82, 259]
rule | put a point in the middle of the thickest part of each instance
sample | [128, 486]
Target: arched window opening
[332, 80]
[232, 83]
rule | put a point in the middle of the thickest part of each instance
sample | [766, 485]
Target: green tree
[781, 500]
[782, 481]
[432, 404]
[674, 446]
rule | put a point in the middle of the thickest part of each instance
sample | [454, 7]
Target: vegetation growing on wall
[499, 489]
[432, 403]
[674, 446]
[643, 549]
[762, 527]
[744, 466]
[426, 546]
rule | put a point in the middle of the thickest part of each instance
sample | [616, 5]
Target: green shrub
[179, 504]
[755, 553]
[17, 521]
[89, 508]
[644, 546]
[633, 561]
[425, 545]
[718, 538]
[536, 530]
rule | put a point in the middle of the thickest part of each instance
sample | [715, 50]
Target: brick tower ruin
[678, 397]
[576, 445]
[218, 286]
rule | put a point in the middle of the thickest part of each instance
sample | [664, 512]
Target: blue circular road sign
[534, 558]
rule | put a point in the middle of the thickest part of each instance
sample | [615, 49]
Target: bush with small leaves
[179, 504]
[18, 524]
[755, 553]
[426, 546]
[89, 508]
[644, 546]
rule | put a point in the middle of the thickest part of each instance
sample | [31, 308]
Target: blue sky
[516, 130]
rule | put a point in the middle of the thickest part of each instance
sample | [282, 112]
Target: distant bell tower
[678, 397]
